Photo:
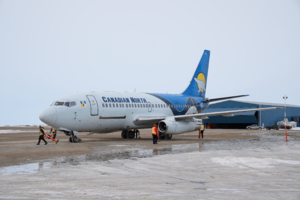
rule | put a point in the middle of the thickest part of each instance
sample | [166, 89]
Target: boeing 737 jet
[105, 112]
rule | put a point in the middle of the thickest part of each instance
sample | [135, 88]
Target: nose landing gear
[74, 138]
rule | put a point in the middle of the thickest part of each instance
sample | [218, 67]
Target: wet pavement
[119, 152]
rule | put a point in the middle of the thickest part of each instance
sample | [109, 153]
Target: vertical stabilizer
[198, 83]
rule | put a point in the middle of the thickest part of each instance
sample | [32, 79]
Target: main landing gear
[130, 134]
[164, 136]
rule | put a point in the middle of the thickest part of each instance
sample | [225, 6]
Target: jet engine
[171, 126]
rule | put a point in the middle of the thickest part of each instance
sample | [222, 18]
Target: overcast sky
[49, 49]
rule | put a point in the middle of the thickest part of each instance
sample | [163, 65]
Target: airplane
[106, 112]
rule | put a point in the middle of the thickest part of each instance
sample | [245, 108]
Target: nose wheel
[74, 138]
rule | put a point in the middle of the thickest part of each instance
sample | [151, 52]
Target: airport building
[241, 120]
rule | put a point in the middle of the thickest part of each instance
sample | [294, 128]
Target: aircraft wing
[154, 120]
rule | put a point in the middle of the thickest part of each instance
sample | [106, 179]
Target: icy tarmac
[263, 168]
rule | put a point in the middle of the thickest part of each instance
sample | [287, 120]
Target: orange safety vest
[202, 128]
[154, 131]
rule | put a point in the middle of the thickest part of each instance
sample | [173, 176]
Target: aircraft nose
[42, 116]
[48, 116]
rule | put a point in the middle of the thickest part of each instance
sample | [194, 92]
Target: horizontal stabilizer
[223, 98]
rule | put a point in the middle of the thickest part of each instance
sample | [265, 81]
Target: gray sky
[49, 49]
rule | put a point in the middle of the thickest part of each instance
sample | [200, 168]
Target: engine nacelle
[171, 126]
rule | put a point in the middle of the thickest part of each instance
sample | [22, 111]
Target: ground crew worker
[202, 130]
[155, 134]
[53, 131]
[42, 132]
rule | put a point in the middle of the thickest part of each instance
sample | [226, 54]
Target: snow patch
[15, 131]
[250, 162]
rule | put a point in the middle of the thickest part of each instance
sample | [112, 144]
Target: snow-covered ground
[15, 131]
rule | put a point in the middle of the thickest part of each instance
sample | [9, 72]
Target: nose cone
[48, 116]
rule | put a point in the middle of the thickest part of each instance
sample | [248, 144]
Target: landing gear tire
[162, 136]
[131, 134]
[169, 136]
[124, 134]
[74, 138]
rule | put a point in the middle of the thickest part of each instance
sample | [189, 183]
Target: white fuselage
[96, 112]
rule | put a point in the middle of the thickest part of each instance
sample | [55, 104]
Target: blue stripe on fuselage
[180, 104]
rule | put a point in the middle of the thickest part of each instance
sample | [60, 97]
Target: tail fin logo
[200, 80]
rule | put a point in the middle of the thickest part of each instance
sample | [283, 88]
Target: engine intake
[162, 126]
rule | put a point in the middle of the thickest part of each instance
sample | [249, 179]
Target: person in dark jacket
[42, 133]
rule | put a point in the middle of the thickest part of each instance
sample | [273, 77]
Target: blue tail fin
[198, 83]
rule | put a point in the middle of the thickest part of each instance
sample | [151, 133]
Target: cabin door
[93, 105]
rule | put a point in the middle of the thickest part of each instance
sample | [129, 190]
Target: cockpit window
[70, 104]
[59, 103]
[52, 104]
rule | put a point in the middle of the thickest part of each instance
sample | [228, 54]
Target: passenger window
[103, 105]
[162, 105]
[138, 105]
[158, 105]
[106, 105]
[67, 104]
[152, 105]
[144, 105]
[129, 105]
[116, 105]
[109, 105]
[126, 105]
